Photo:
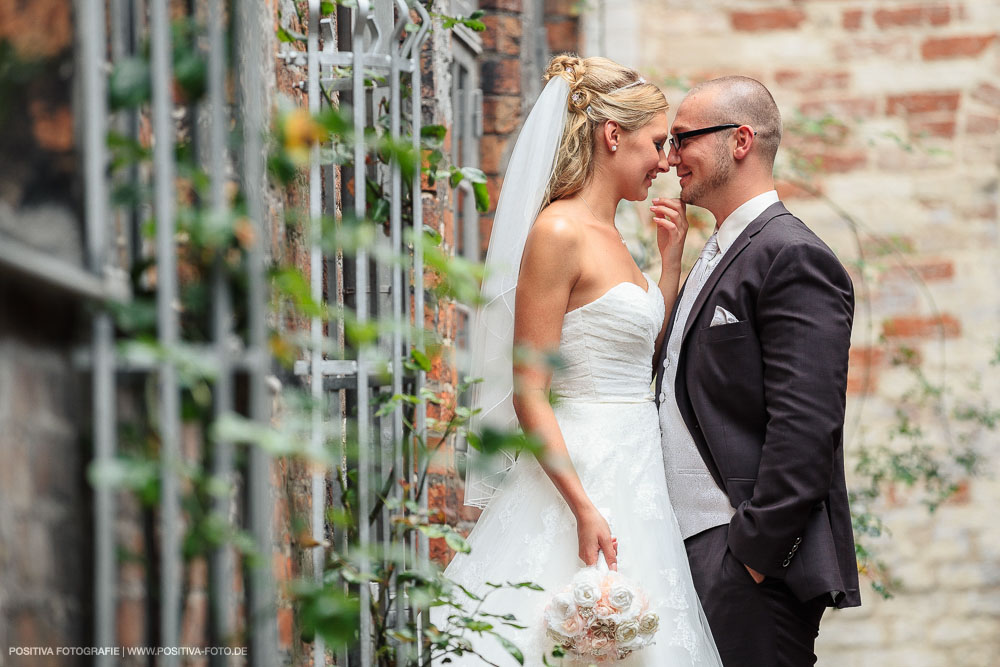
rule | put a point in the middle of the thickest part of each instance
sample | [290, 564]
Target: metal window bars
[125, 19]
[384, 49]
[383, 39]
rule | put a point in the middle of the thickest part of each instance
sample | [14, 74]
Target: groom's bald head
[740, 99]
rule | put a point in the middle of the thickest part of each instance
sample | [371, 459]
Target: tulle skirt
[527, 533]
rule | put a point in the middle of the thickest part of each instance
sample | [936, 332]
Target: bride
[595, 136]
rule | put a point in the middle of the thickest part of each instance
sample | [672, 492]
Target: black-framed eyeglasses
[678, 139]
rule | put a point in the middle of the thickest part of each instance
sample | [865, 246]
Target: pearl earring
[614, 148]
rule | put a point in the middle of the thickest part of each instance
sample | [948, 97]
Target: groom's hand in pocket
[757, 576]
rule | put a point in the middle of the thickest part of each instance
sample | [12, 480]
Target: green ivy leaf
[129, 85]
[361, 333]
[478, 626]
[434, 131]
[421, 360]
[457, 542]
[432, 236]
[289, 36]
[432, 530]
[482, 195]
[380, 211]
[473, 174]
[137, 316]
[474, 441]
[525, 584]
[292, 283]
[511, 648]
[191, 73]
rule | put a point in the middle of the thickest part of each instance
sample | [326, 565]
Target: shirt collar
[739, 219]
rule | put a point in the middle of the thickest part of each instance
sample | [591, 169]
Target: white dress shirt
[739, 219]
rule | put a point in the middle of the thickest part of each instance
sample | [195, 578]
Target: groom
[751, 384]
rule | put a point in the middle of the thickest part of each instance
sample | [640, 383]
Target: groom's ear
[745, 136]
[612, 134]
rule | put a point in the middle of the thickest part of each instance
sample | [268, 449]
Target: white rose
[649, 623]
[621, 596]
[586, 589]
[627, 633]
[560, 608]
[572, 626]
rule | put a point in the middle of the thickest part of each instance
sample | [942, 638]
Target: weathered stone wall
[914, 88]
[44, 500]
[45, 571]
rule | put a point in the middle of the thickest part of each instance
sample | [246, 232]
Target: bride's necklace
[613, 226]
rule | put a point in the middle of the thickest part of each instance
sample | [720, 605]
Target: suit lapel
[658, 363]
[739, 245]
[680, 385]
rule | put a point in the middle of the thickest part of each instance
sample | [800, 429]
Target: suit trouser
[754, 625]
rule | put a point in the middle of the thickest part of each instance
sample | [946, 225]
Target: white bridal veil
[521, 197]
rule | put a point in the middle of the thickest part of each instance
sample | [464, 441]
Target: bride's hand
[671, 226]
[594, 535]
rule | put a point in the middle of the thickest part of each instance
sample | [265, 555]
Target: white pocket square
[722, 316]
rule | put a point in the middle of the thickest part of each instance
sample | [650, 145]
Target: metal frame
[104, 282]
[380, 42]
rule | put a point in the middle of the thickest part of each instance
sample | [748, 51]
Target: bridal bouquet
[601, 615]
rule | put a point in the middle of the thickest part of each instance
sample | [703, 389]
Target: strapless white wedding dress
[609, 421]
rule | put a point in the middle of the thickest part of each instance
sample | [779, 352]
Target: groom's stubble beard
[722, 173]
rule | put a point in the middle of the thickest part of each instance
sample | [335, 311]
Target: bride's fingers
[675, 216]
[668, 226]
[610, 552]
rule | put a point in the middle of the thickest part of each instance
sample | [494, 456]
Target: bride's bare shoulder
[556, 228]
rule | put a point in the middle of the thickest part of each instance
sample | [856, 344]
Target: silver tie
[700, 272]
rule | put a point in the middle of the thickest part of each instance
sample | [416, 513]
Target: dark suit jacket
[764, 400]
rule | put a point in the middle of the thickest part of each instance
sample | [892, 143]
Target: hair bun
[569, 67]
[573, 69]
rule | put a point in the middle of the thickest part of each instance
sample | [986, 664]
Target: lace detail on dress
[513, 504]
[556, 519]
[650, 497]
[685, 637]
[675, 596]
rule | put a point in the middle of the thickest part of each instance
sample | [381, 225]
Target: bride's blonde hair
[600, 90]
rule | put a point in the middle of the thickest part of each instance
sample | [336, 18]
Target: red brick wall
[903, 185]
[914, 90]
